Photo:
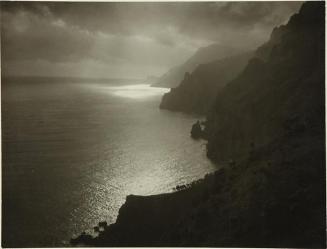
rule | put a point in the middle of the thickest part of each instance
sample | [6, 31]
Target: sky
[126, 40]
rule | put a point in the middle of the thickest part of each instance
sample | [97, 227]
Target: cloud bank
[126, 39]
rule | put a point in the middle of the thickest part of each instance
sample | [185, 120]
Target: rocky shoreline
[260, 201]
[146, 220]
[268, 124]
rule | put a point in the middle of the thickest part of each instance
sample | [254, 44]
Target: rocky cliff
[282, 91]
[269, 123]
[198, 90]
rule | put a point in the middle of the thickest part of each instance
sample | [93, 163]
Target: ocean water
[72, 151]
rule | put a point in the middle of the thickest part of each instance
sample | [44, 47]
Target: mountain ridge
[203, 55]
[268, 126]
[197, 91]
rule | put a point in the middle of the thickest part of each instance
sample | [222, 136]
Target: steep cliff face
[264, 50]
[204, 55]
[270, 121]
[197, 92]
[285, 89]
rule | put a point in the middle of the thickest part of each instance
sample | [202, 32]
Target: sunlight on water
[137, 91]
[88, 146]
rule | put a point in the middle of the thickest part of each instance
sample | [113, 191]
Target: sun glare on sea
[139, 91]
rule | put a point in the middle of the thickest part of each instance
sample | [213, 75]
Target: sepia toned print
[163, 124]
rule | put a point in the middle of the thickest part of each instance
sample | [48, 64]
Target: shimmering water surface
[73, 151]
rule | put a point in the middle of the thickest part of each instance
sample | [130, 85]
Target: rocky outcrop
[196, 131]
[147, 220]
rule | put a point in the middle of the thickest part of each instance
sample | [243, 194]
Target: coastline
[272, 193]
[260, 201]
[145, 220]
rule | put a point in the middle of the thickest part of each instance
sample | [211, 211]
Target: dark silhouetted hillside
[285, 87]
[197, 92]
[267, 131]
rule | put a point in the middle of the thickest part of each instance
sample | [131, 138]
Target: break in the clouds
[126, 39]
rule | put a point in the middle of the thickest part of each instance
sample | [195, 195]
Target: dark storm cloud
[28, 37]
[151, 34]
[207, 19]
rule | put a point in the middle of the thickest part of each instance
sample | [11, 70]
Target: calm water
[73, 151]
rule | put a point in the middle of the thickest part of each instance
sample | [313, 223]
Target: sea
[73, 149]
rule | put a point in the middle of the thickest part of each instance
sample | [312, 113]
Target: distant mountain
[266, 130]
[150, 79]
[198, 90]
[204, 55]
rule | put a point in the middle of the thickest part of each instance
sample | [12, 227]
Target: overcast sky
[126, 40]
